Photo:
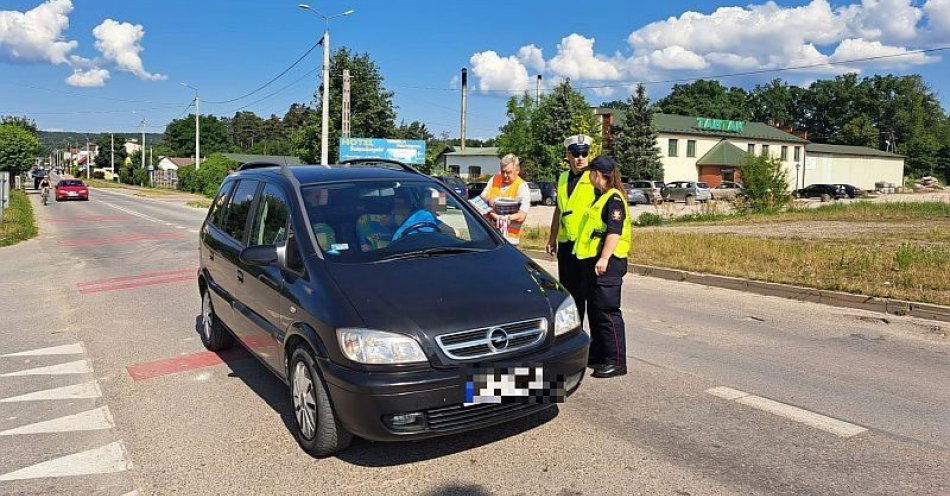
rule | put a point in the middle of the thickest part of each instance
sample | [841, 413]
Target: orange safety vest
[512, 231]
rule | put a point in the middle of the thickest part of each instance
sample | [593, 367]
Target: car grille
[460, 417]
[478, 343]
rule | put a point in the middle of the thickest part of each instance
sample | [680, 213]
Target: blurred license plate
[71, 193]
[512, 385]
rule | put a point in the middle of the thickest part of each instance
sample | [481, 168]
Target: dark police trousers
[608, 339]
[573, 275]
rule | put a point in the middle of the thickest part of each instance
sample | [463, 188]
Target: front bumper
[363, 399]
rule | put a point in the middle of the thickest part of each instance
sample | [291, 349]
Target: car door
[228, 264]
[263, 285]
[209, 252]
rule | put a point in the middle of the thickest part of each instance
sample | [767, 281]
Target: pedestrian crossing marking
[77, 367]
[107, 459]
[66, 349]
[74, 392]
[90, 420]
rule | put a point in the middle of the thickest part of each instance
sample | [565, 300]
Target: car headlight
[379, 347]
[566, 319]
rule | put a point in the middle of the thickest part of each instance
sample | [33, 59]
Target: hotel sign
[720, 125]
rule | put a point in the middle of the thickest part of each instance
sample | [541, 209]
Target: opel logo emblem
[497, 339]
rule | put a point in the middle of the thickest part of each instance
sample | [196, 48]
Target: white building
[173, 163]
[714, 150]
[472, 163]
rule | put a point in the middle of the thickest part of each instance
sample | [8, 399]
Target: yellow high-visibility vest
[573, 206]
[593, 229]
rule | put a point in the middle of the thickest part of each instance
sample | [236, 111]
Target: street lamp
[197, 126]
[325, 122]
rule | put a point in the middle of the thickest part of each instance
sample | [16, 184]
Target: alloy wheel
[305, 404]
[206, 315]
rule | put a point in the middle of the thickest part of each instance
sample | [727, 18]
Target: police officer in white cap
[575, 194]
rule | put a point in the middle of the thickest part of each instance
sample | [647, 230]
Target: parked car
[456, 183]
[635, 196]
[826, 192]
[548, 192]
[689, 191]
[728, 190]
[655, 191]
[851, 191]
[362, 288]
[536, 195]
[71, 189]
[475, 189]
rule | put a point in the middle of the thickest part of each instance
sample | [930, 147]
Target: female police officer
[602, 246]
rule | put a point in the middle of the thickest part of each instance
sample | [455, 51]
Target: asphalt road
[727, 393]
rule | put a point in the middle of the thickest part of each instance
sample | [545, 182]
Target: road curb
[788, 291]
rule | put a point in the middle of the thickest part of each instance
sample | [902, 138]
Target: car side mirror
[262, 255]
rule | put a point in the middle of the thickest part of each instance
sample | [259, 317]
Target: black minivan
[387, 304]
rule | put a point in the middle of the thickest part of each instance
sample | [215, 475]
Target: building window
[474, 171]
[784, 153]
[765, 150]
[454, 170]
[751, 148]
[691, 148]
[671, 152]
[798, 153]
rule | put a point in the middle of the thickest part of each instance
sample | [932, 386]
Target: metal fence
[165, 179]
[4, 192]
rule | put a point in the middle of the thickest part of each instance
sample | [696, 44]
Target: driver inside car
[378, 231]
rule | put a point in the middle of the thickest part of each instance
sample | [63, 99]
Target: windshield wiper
[429, 252]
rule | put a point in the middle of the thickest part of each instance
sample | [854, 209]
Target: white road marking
[74, 392]
[837, 427]
[77, 367]
[66, 349]
[90, 420]
[108, 459]
[133, 212]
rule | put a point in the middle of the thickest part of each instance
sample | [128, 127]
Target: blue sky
[137, 60]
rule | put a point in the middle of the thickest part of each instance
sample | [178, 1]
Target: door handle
[240, 276]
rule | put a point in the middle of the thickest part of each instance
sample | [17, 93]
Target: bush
[17, 223]
[140, 177]
[188, 179]
[649, 219]
[98, 175]
[766, 184]
[212, 172]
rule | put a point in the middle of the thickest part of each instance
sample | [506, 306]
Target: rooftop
[724, 153]
[243, 158]
[861, 151]
[487, 151]
[685, 124]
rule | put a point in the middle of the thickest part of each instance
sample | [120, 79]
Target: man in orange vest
[509, 197]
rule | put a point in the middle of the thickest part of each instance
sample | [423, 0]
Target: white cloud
[121, 43]
[575, 59]
[499, 73]
[857, 48]
[37, 35]
[938, 19]
[732, 60]
[882, 19]
[676, 57]
[90, 78]
[531, 56]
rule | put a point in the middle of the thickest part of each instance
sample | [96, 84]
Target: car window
[533, 186]
[270, 220]
[364, 222]
[235, 223]
[702, 185]
[218, 207]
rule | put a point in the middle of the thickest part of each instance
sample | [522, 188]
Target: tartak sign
[720, 125]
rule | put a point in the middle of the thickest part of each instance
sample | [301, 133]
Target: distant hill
[51, 140]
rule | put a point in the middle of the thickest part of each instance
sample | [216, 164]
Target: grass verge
[203, 203]
[17, 223]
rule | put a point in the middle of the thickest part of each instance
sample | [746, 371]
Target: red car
[71, 189]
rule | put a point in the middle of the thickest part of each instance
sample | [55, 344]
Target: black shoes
[603, 371]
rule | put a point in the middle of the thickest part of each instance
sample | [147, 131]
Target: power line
[275, 78]
[685, 80]
[281, 90]
[86, 95]
[83, 112]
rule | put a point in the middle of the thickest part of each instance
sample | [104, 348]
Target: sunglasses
[577, 151]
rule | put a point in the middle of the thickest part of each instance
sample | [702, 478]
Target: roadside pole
[464, 108]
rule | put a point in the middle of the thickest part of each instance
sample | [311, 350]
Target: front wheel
[316, 426]
[213, 334]
[549, 201]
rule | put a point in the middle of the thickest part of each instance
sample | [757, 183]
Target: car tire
[825, 197]
[316, 426]
[214, 336]
[690, 199]
[549, 201]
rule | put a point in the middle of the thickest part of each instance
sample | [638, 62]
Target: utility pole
[346, 103]
[112, 153]
[325, 120]
[197, 131]
[143, 143]
[88, 159]
[464, 107]
[537, 92]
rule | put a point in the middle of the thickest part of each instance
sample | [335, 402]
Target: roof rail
[370, 161]
[257, 165]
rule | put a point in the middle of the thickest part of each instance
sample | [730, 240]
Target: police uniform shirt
[572, 179]
[614, 214]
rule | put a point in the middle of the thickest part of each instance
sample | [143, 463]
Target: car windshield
[702, 185]
[454, 182]
[70, 182]
[375, 221]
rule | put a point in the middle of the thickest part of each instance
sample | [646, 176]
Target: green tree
[634, 145]
[561, 113]
[179, 136]
[371, 109]
[18, 148]
[415, 130]
[766, 183]
[707, 98]
[517, 134]
[859, 131]
[104, 158]
[778, 104]
[24, 122]
[246, 129]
